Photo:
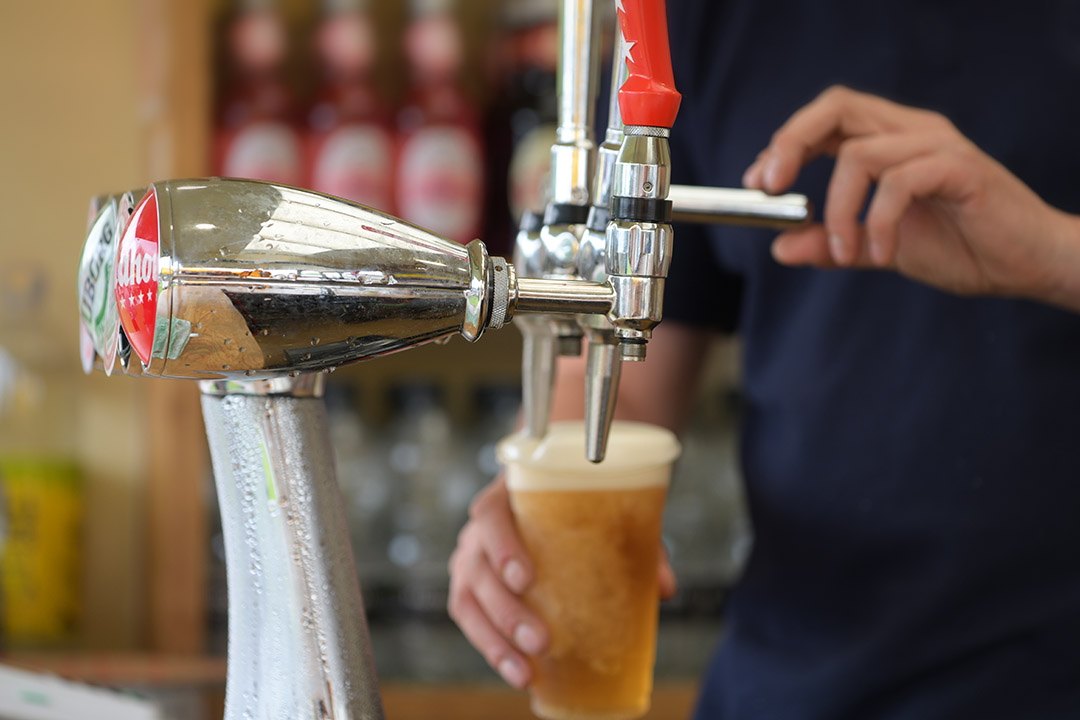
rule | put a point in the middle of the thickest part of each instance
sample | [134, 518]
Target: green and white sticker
[100, 318]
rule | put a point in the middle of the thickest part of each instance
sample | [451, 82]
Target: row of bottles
[438, 159]
[426, 166]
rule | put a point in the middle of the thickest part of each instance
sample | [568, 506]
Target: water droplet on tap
[314, 341]
[249, 373]
[243, 349]
[228, 341]
[224, 367]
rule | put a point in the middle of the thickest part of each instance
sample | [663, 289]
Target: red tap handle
[648, 97]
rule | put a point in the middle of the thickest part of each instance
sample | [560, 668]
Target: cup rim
[563, 448]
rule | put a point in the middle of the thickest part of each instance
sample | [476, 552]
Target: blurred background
[442, 112]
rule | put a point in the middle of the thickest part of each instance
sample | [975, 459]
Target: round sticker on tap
[137, 276]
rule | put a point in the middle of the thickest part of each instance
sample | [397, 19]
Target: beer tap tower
[258, 290]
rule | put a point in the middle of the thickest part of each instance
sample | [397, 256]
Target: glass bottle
[350, 149]
[256, 129]
[440, 168]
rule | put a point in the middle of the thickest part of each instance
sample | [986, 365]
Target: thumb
[668, 584]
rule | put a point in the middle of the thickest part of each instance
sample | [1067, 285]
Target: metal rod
[736, 206]
[578, 69]
[536, 295]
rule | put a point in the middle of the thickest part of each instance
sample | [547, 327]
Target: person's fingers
[809, 245]
[818, 128]
[859, 162]
[806, 245]
[666, 577]
[499, 539]
[752, 177]
[937, 175]
[480, 632]
[510, 616]
[813, 130]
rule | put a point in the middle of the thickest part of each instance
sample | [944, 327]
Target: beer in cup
[593, 532]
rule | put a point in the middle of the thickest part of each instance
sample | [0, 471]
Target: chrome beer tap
[603, 360]
[628, 241]
[639, 232]
[554, 251]
[257, 290]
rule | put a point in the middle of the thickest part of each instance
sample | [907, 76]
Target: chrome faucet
[553, 252]
[625, 240]
[258, 290]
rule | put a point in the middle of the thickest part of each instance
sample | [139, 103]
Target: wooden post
[175, 82]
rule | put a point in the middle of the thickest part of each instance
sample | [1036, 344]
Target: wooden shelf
[671, 701]
[403, 701]
[125, 669]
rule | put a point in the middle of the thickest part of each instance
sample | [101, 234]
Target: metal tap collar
[646, 131]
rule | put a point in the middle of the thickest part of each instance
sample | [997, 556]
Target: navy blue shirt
[912, 458]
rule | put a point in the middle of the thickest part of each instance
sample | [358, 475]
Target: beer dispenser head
[236, 279]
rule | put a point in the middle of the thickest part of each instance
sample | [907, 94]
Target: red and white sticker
[137, 276]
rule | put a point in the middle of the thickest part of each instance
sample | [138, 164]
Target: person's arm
[943, 212]
[490, 567]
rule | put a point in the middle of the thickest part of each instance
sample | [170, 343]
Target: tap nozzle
[603, 366]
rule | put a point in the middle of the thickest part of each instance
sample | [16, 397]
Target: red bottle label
[137, 276]
[440, 182]
[267, 151]
[355, 162]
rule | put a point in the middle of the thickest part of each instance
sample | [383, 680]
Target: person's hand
[943, 212]
[489, 570]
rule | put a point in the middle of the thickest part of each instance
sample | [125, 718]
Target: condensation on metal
[299, 646]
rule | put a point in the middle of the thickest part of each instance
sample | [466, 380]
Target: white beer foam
[638, 455]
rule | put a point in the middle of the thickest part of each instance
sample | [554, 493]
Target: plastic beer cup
[593, 532]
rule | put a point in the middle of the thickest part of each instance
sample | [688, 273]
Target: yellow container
[40, 561]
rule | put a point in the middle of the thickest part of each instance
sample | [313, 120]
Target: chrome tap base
[299, 646]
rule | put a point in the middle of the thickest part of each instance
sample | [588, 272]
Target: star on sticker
[141, 296]
[618, 6]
